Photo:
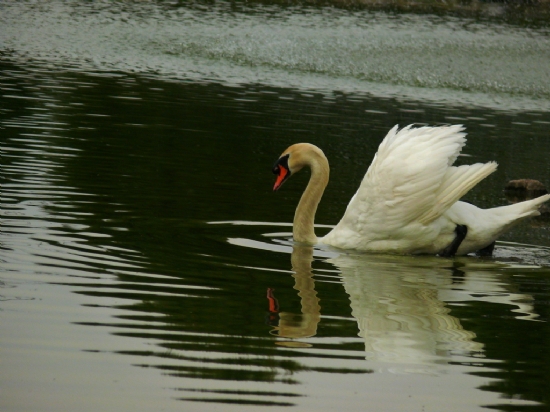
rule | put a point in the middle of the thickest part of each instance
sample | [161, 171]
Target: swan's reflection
[305, 324]
[399, 312]
[401, 303]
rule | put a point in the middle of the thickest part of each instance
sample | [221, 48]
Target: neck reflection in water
[304, 325]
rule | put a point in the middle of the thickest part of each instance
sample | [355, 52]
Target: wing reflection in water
[401, 304]
[399, 311]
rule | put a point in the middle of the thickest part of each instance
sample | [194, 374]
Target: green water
[145, 263]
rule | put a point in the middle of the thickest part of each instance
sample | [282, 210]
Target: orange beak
[281, 177]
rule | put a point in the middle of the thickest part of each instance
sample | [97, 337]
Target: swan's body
[407, 202]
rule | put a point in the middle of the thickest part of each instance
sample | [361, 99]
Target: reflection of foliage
[523, 348]
[520, 12]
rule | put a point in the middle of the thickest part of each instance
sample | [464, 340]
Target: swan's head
[293, 159]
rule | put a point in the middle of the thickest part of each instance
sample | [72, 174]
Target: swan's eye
[281, 163]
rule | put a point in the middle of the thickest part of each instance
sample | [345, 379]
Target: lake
[146, 264]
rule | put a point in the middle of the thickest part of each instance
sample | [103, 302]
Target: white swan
[407, 202]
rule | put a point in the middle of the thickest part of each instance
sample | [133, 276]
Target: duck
[409, 199]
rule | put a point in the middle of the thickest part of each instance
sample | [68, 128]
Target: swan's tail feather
[503, 218]
[455, 184]
[521, 210]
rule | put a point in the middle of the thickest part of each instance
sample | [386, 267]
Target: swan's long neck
[304, 218]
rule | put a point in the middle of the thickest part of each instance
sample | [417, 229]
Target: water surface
[146, 263]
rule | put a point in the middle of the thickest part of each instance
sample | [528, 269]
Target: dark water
[146, 263]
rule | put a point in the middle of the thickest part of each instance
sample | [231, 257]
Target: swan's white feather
[408, 199]
[456, 182]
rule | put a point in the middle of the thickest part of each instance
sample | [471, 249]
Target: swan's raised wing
[411, 180]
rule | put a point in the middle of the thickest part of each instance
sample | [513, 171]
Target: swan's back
[410, 183]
